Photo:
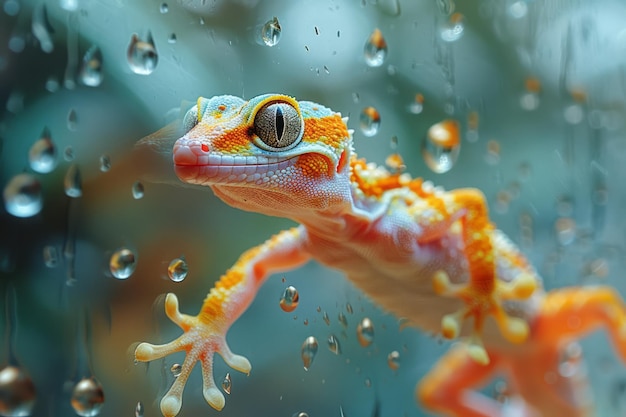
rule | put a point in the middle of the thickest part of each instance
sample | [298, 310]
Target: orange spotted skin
[431, 256]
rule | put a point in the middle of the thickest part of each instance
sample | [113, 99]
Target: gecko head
[271, 154]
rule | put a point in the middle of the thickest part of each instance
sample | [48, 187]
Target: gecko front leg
[205, 334]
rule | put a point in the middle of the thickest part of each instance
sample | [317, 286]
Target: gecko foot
[479, 304]
[200, 340]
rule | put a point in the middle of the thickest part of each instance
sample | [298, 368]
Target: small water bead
[87, 397]
[142, 55]
[375, 49]
[72, 182]
[105, 163]
[41, 27]
[365, 332]
[300, 414]
[52, 84]
[42, 156]
[342, 319]
[227, 383]
[453, 29]
[289, 300]
[326, 318]
[393, 360]
[441, 146]
[50, 256]
[349, 308]
[270, 32]
[91, 73]
[417, 105]
[574, 114]
[395, 162]
[369, 121]
[72, 120]
[22, 196]
[530, 98]
[17, 392]
[565, 229]
[172, 39]
[492, 156]
[122, 263]
[139, 409]
[164, 8]
[177, 269]
[308, 351]
[176, 369]
[138, 190]
[68, 154]
[333, 344]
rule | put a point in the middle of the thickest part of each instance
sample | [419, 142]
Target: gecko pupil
[280, 123]
[277, 125]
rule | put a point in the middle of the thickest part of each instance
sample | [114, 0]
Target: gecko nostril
[205, 147]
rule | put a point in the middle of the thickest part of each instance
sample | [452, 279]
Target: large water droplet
[333, 344]
[369, 121]
[72, 182]
[138, 190]
[42, 155]
[289, 300]
[122, 263]
[91, 68]
[139, 410]
[227, 383]
[142, 55]
[17, 392]
[270, 32]
[393, 360]
[22, 196]
[441, 146]
[365, 332]
[452, 30]
[50, 256]
[375, 49]
[87, 397]
[308, 351]
[177, 269]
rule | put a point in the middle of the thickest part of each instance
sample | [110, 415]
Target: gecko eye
[278, 125]
[190, 119]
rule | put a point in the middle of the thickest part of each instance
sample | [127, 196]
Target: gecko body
[422, 253]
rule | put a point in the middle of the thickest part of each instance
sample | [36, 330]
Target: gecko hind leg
[201, 341]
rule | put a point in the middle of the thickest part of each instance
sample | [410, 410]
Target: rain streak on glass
[393, 360]
[105, 163]
[333, 344]
[122, 263]
[87, 397]
[138, 190]
[142, 55]
[227, 383]
[73, 182]
[42, 156]
[441, 146]
[91, 68]
[369, 121]
[17, 392]
[452, 30]
[289, 300]
[308, 351]
[375, 49]
[139, 409]
[50, 256]
[176, 370]
[177, 269]
[22, 196]
[365, 332]
[270, 32]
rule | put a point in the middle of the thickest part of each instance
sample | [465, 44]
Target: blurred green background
[538, 87]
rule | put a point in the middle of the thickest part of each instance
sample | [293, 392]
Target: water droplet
[492, 157]
[91, 68]
[72, 120]
[365, 332]
[172, 39]
[227, 384]
[52, 84]
[22, 196]
[597, 268]
[441, 146]
[17, 392]
[139, 409]
[529, 100]
[68, 154]
[333, 344]
[42, 155]
[445, 7]
[176, 369]
[73, 182]
[393, 360]
[518, 9]
[326, 318]
[105, 163]
[395, 162]
[69, 5]
[50, 256]
[300, 414]
[87, 397]
[41, 28]
[270, 32]
[565, 228]
[164, 8]
[573, 114]
[570, 361]
[349, 308]
[308, 351]
[417, 105]
[342, 319]
[142, 55]
[452, 30]
[369, 121]
[375, 49]
[122, 263]
[177, 269]
[11, 7]
[138, 190]
[289, 300]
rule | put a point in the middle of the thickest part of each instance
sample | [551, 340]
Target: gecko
[430, 256]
